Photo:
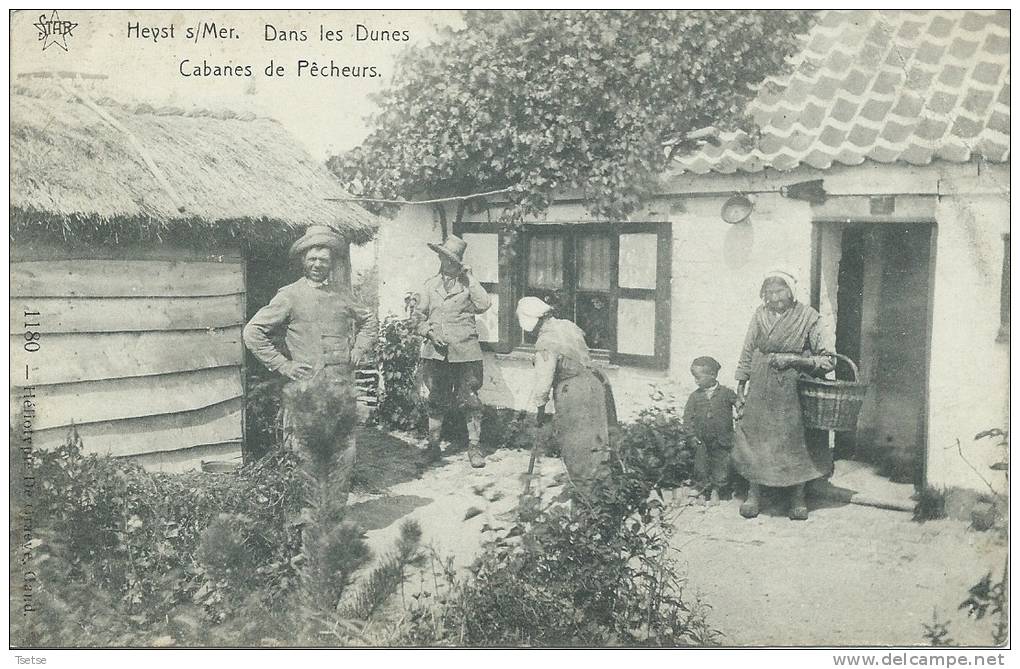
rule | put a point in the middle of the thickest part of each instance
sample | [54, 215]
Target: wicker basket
[832, 405]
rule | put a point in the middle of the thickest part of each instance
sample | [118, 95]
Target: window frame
[513, 282]
[503, 289]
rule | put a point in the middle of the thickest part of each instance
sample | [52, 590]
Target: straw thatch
[71, 166]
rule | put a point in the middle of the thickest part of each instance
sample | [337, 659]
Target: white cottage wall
[405, 262]
[716, 269]
[969, 378]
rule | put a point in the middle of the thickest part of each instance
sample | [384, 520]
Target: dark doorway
[850, 305]
[882, 323]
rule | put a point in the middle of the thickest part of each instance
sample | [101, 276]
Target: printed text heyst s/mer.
[313, 66]
[212, 30]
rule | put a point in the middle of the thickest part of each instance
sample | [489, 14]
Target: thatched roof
[68, 162]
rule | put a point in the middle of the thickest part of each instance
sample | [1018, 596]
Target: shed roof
[886, 86]
[68, 161]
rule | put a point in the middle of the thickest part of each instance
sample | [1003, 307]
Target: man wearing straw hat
[451, 355]
[326, 333]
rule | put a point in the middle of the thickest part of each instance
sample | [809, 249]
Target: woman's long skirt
[584, 412]
[770, 446]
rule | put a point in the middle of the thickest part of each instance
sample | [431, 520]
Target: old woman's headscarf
[529, 311]
[784, 274]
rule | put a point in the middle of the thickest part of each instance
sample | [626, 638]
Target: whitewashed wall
[969, 379]
[716, 274]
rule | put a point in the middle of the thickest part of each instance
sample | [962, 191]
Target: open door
[882, 322]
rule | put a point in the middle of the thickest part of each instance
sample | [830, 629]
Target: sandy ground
[849, 576]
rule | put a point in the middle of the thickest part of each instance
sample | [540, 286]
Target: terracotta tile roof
[887, 86]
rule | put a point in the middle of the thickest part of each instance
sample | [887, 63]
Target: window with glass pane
[609, 279]
[593, 262]
[593, 303]
[546, 276]
[545, 262]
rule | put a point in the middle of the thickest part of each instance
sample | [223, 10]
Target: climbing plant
[538, 102]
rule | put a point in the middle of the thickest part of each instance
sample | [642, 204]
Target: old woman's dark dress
[770, 446]
[582, 397]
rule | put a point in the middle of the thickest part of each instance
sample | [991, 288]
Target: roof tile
[843, 110]
[987, 73]
[976, 101]
[820, 160]
[856, 82]
[931, 129]
[813, 115]
[916, 154]
[888, 86]
[832, 137]
[838, 61]
[862, 136]
[910, 29]
[975, 22]
[956, 152]
[967, 128]
[940, 26]
[897, 133]
[887, 82]
[992, 150]
[952, 75]
[883, 154]
[875, 110]
[1003, 98]
[909, 105]
[919, 78]
[999, 122]
[942, 101]
[962, 48]
[929, 52]
[997, 45]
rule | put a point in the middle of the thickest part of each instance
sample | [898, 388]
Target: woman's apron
[770, 445]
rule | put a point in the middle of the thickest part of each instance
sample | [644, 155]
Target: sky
[326, 114]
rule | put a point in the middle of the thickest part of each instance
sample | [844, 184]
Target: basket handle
[853, 366]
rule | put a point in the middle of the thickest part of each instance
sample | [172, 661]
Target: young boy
[708, 417]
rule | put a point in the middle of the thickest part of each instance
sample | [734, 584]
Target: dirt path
[848, 576]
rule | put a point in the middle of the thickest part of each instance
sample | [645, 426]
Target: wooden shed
[136, 234]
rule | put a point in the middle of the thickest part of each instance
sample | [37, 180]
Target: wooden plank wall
[140, 348]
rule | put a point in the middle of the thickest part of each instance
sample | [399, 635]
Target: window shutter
[642, 312]
[483, 254]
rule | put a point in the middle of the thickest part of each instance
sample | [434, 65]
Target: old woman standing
[581, 395]
[785, 338]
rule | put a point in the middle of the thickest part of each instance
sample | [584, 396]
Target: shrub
[397, 353]
[573, 571]
[125, 557]
[656, 444]
[115, 536]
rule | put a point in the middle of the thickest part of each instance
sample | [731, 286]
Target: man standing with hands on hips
[326, 333]
[451, 355]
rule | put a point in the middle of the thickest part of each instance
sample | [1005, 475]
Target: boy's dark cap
[708, 362]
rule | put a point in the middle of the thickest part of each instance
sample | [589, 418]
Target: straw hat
[453, 249]
[316, 235]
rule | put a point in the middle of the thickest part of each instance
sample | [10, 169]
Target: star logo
[53, 30]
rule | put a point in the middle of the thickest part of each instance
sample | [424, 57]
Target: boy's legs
[719, 470]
